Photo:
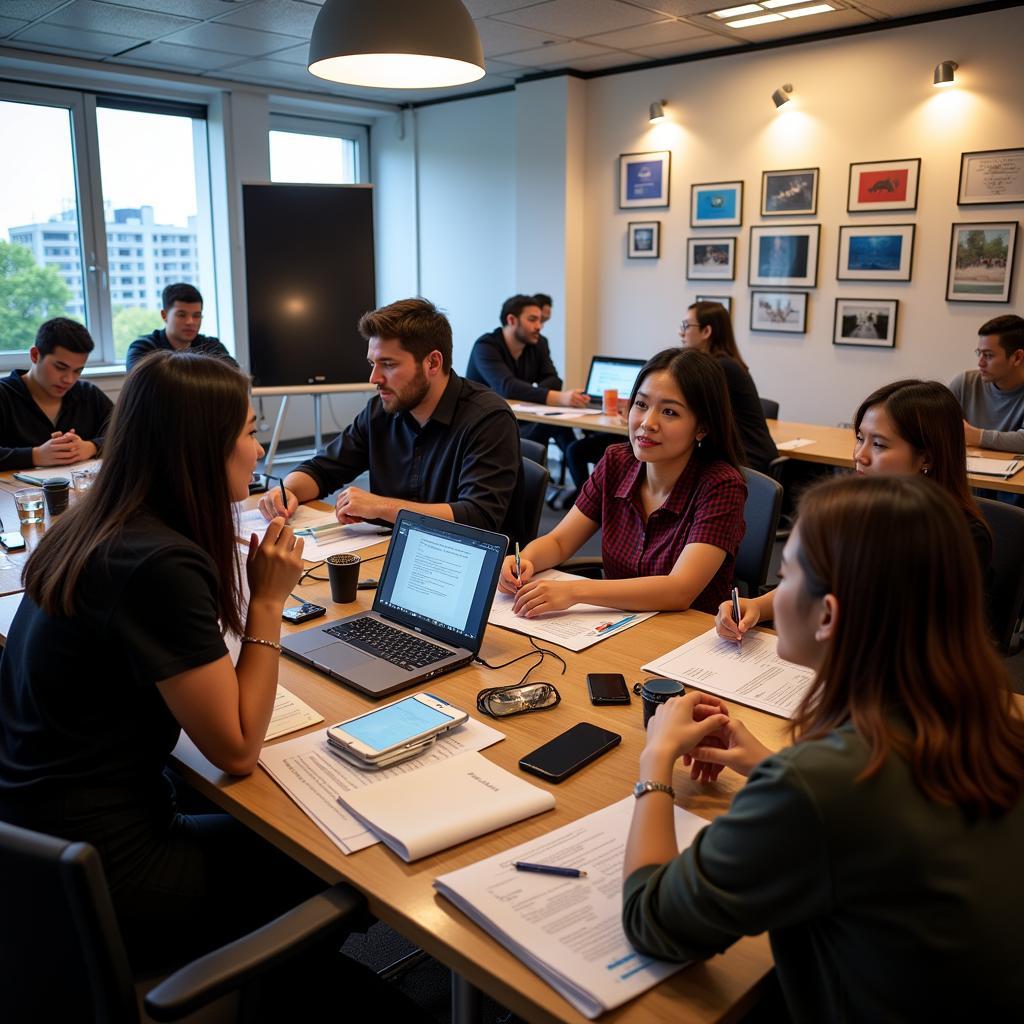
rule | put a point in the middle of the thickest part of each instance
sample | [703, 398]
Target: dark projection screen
[309, 277]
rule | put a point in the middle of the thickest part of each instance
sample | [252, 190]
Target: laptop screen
[440, 577]
[611, 372]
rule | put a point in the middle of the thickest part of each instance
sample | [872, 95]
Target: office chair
[1007, 598]
[761, 513]
[770, 408]
[534, 450]
[62, 956]
[535, 486]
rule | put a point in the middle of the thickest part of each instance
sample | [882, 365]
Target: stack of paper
[567, 930]
[37, 476]
[334, 540]
[992, 467]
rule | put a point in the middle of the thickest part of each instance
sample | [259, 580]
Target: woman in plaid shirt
[669, 503]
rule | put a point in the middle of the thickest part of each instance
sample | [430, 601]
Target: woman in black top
[708, 327]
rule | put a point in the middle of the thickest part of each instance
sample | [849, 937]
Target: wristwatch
[640, 788]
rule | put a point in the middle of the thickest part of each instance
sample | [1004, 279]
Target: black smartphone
[569, 752]
[12, 541]
[303, 612]
[607, 688]
[370, 583]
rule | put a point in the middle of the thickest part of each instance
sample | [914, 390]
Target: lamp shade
[657, 112]
[945, 73]
[396, 44]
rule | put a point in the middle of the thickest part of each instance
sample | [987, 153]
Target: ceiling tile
[499, 37]
[579, 17]
[9, 25]
[481, 8]
[200, 9]
[906, 8]
[178, 58]
[501, 67]
[616, 59]
[557, 54]
[231, 39]
[104, 17]
[647, 35]
[683, 8]
[29, 10]
[294, 55]
[684, 47]
[274, 71]
[286, 16]
[94, 43]
[62, 51]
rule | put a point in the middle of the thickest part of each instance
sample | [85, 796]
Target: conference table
[830, 446]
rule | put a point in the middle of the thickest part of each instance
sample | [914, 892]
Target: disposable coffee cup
[56, 492]
[610, 401]
[656, 691]
[343, 572]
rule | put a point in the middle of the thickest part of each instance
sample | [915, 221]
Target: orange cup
[610, 401]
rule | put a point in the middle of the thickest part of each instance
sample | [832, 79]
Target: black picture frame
[790, 193]
[800, 253]
[704, 258]
[995, 175]
[858, 321]
[643, 240]
[770, 310]
[976, 282]
[865, 252]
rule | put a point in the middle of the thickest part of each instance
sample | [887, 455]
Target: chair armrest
[589, 566]
[230, 967]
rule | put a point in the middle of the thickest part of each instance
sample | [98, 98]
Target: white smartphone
[395, 731]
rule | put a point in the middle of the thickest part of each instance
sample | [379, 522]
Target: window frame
[308, 124]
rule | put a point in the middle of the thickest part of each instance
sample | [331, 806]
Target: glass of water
[29, 502]
[82, 479]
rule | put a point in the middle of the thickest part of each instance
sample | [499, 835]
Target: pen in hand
[736, 614]
[284, 497]
[519, 575]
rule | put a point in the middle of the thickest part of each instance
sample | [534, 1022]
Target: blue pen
[614, 625]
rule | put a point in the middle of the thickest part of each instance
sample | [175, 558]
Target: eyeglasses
[686, 323]
[504, 701]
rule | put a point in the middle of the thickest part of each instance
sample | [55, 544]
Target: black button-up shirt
[466, 455]
[526, 379]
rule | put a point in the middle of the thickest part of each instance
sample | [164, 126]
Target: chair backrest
[61, 952]
[1007, 586]
[770, 408]
[535, 486]
[761, 512]
[534, 450]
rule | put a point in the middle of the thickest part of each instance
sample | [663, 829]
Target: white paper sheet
[314, 778]
[333, 542]
[290, 715]
[38, 475]
[992, 467]
[568, 930]
[796, 442]
[750, 673]
[576, 628]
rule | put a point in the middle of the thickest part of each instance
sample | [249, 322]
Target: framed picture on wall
[711, 259]
[883, 185]
[785, 257]
[722, 300]
[981, 262]
[875, 252]
[718, 204]
[784, 312]
[789, 193]
[644, 179]
[870, 322]
[643, 239]
[991, 176]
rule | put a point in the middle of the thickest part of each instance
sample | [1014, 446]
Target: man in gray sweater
[992, 397]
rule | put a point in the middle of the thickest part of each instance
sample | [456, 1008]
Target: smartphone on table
[569, 752]
[607, 688]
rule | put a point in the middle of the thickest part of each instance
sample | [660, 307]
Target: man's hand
[355, 505]
[574, 399]
[972, 435]
[62, 450]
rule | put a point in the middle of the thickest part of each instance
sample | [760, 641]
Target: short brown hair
[416, 324]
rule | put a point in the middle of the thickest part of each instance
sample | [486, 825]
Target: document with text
[568, 930]
[331, 538]
[290, 714]
[576, 628]
[992, 467]
[750, 673]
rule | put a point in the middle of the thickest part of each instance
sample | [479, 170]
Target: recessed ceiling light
[734, 12]
[772, 4]
[762, 20]
[804, 11]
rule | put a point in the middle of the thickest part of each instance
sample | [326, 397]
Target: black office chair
[1007, 598]
[62, 956]
[770, 408]
[534, 450]
[761, 512]
[535, 486]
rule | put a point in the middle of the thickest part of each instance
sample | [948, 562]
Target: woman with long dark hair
[669, 503]
[882, 850]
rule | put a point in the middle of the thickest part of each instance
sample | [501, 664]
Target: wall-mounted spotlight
[658, 111]
[781, 95]
[945, 73]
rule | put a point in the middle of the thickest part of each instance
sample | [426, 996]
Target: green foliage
[29, 295]
[130, 322]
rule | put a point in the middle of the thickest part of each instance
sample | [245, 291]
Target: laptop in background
[611, 372]
[428, 615]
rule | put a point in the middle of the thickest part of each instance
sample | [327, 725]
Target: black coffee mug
[343, 573]
[656, 691]
[56, 493]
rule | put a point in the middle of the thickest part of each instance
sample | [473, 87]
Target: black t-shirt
[758, 445]
[79, 707]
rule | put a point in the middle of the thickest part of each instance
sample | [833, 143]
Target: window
[310, 151]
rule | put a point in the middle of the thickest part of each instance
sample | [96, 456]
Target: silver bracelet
[263, 643]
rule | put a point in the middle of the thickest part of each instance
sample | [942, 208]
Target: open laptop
[429, 612]
[611, 372]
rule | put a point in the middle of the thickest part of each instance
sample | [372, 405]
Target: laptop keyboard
[400, 648]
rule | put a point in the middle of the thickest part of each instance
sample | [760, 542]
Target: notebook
[611, 372]
[429, 612]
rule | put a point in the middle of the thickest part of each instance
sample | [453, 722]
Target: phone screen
[569, 752]
[607, 688]
[395, 723]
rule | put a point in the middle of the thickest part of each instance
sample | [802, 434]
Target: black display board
[309, 278]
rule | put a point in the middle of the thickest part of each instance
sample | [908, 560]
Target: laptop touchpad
[337, 655]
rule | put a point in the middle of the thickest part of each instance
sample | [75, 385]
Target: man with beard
[432, 441]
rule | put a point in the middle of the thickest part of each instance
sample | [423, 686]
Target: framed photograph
[644, 179]
[883, 185]
[718, 204]
[991, 176]
[784, 312]
[870, 322]
[981, 262]
[711, 259]
[643, 239]
[722, 300]
[789, 193]
[875, 252]
[785, 257]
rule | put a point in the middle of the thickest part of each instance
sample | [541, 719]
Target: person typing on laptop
[433, 442]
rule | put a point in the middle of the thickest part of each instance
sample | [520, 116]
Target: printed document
[576, 628]
[750, 673]
[314, 778]
[992, 467]
[568, 930]
[290, 715]
[538, 409]
[792, 445]
[334, 540]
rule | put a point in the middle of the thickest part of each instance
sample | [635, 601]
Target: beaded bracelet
[263, 643]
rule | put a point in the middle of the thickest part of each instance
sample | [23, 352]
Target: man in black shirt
[182, 312]
[48, 417]
[433, 442]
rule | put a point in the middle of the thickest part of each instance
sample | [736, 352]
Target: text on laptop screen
[612, 373]
[396, 723]
[439, 578]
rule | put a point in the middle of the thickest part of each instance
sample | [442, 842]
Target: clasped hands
[62, 449]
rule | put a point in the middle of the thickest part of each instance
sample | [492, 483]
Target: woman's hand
[741, 750]
[542, 596]
[727, 626]
[274, 565]
[507, 581]
[677, 728]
